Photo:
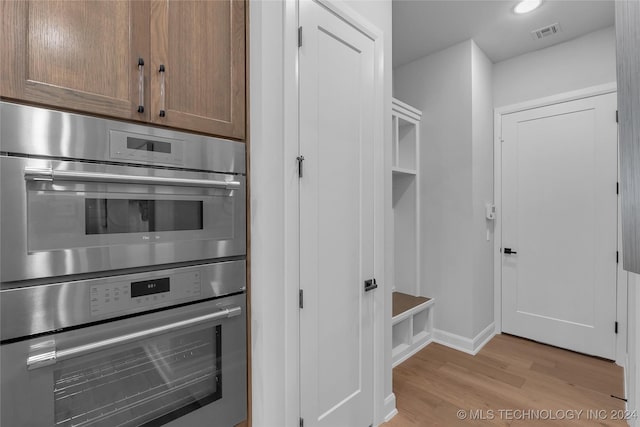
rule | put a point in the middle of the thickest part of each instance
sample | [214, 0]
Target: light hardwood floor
[511, 381]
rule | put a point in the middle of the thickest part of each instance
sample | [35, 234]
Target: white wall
[268, 215]
[453, 89]
[482, 181]
[586, 61]
[632, 370]
[440, 86]
[273, 184]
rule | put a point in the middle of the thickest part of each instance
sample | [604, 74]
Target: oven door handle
[48, 355]
[48, 174]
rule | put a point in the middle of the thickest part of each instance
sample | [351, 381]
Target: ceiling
[422, 27]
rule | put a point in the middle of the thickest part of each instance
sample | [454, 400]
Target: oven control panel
[144, 148]
[110, 298]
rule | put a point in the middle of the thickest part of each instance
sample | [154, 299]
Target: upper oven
[89, 195]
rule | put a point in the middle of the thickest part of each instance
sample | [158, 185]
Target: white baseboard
[390, 407]
[454, 341]
[411, 351]
[464, 344]
[484, 337]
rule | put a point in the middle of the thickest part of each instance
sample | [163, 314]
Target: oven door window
[59, 220]
[151, 383]
[108, 216]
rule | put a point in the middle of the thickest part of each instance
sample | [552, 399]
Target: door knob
[508, 251]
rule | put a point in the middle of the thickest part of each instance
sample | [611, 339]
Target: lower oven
[147, 349]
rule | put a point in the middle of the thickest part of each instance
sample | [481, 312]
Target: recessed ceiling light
[526, 6]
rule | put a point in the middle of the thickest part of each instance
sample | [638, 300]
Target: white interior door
[559, 176]
[336, 220]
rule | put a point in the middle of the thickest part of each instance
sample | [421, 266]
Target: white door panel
[560, 215]
[336, 220]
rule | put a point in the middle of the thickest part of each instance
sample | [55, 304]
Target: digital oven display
[146, 145]
[149, 287]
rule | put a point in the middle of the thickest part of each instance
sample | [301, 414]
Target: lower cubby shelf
[412, 325]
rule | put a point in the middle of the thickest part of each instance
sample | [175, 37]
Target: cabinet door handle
[49, 175]
[140, 85]
[162, 91]
[51, 355]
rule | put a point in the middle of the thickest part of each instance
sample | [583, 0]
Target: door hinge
[617, 188]
[616, 327]
[301, 422]
[617, 257]
[299, 36]
[301, 299]
[616, 116]
[300, 160]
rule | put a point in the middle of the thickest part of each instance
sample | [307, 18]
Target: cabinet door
[200, 45]
[628, 45]
[78, 55]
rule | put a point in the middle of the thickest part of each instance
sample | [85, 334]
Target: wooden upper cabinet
[84, 56]
[200, 45]
[77, 55]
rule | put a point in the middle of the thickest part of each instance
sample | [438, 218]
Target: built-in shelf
[412, 325]
[400, 171]
[406, 134]
[406, 191]
[412, 314]
[404, 305]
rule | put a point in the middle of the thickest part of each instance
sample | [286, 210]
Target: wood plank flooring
[510, 382]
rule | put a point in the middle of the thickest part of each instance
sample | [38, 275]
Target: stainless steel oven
[83, 194]
[166, 347]
[122, 274]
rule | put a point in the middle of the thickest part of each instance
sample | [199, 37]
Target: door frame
[621, 285]
[291, 204]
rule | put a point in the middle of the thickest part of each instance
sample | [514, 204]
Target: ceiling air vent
[547, 31]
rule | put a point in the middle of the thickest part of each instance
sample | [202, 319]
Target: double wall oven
[123, 275]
